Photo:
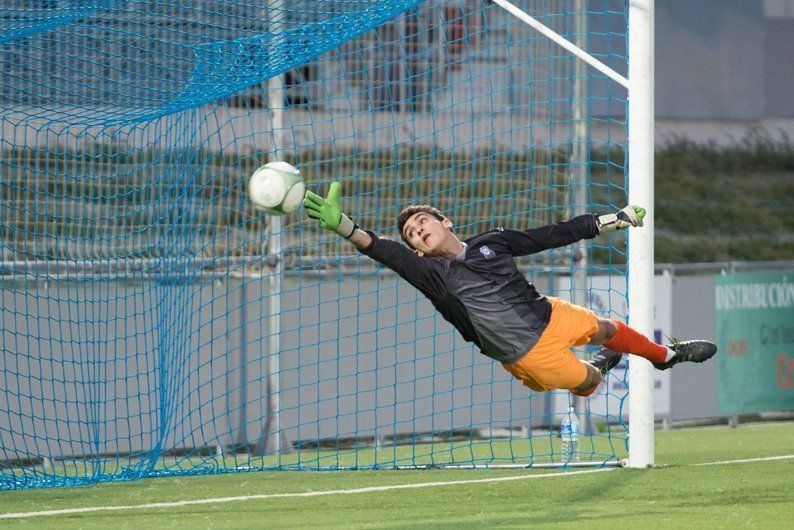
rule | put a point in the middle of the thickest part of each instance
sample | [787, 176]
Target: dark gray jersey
[481, 292]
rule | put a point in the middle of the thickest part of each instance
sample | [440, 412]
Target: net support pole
[580, 174]
[640, 254]
[271, 440]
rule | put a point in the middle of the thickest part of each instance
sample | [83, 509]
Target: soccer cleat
[605, 360]
[694, 351]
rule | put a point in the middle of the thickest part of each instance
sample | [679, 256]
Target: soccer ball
[276, 188]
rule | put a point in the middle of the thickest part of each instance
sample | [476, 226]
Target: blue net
[154, 323]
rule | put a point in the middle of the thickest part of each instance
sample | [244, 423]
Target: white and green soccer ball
[276, 188]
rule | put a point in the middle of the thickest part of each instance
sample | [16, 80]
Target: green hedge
[712, 203]
[725, 203]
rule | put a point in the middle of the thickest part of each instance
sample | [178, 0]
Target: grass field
[679, 493]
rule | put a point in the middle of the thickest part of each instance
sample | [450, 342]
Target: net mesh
[154, 323]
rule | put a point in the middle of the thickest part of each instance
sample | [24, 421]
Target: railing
[727, 267]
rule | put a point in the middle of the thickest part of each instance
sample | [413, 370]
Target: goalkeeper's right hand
[329, 212]
[629, 216]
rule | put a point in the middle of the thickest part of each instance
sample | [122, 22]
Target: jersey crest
[487, 252]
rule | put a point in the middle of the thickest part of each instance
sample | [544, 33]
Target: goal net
[155, 324]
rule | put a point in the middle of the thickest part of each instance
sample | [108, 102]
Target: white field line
[241, 498]
[764, 459]
[371, 489]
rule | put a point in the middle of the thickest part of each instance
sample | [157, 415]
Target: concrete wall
[723, 70]
[724, 60]
[694, 386]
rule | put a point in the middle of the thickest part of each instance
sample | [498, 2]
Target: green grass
[676, 494]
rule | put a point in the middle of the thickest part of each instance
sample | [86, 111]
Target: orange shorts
[550, 363]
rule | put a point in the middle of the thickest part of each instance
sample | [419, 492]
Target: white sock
[670, 354]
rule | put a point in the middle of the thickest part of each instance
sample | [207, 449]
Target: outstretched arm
[524, 242]
[398, 257]
[360, 239]
[329, 212]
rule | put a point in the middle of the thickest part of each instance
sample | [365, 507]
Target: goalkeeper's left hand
[629, 216]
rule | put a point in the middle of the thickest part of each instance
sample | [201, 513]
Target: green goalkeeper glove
[628, 216]
[329, 212]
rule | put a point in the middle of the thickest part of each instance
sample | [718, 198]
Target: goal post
[641, 181]
[558, 39]
[641, 260]
[156, 324]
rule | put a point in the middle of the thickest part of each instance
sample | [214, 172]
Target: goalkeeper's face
[429, 235]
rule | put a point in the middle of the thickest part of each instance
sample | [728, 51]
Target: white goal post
[641, 302]
[641, 129]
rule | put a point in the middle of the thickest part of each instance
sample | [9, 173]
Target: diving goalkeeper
[477, 287]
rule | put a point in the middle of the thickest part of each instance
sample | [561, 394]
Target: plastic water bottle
[569, 433]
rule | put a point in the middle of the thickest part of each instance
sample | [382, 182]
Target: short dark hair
[406, 214]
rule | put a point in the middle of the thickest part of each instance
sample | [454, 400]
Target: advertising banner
[755, 336]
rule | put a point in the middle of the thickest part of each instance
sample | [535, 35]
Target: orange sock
[626, 340]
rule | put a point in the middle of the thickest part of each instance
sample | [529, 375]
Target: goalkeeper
[477, 287]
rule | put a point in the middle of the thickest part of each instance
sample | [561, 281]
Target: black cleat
[605, 360]
[694, 351]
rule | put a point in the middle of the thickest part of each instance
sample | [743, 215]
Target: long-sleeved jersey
[481, 292]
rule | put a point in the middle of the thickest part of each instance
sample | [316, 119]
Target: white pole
[275, 95]
[580, 171]
[641, 126]
[562, 41]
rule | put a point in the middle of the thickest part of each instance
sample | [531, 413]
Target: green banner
[755, 335]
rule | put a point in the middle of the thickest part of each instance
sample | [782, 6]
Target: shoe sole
[614, 360]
